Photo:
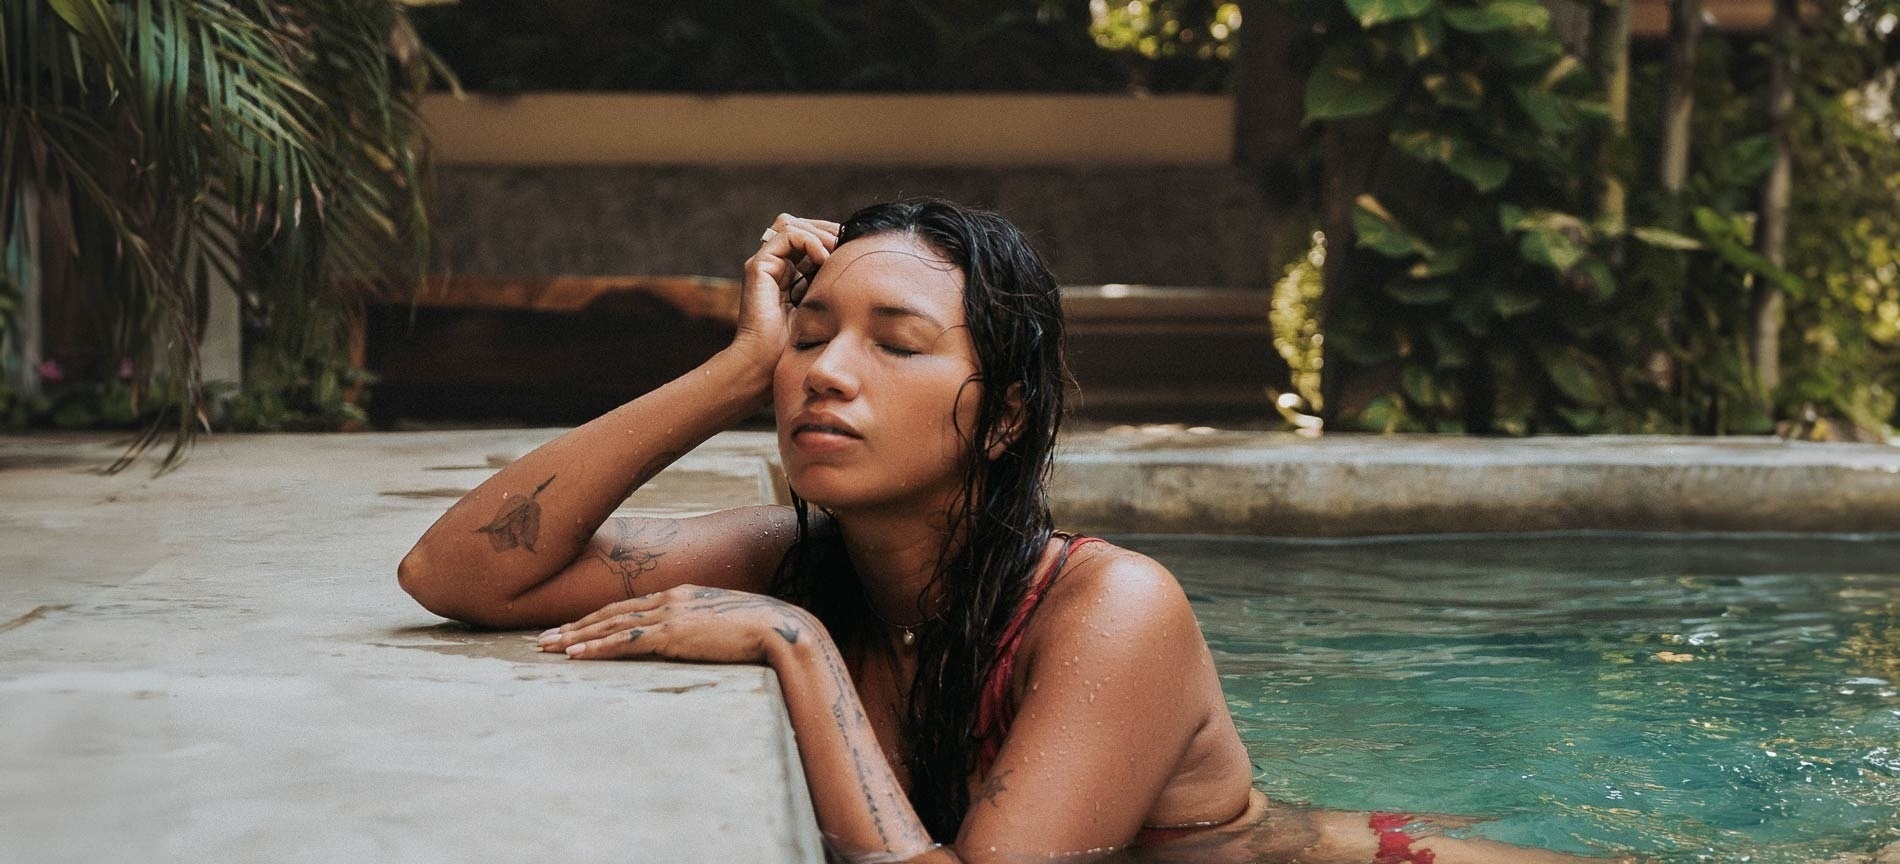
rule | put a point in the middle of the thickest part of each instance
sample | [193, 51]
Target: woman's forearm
[533, 518]
[861, 807]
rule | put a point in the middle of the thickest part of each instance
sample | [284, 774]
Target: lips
[826, 424]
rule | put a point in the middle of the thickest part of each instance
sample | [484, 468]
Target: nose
[830, 373]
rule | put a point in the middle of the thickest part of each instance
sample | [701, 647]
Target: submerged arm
[861, 807]
[1094, 743]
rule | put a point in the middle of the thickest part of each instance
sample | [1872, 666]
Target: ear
[1005, 432]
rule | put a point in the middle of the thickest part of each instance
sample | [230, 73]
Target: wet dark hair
[999, 524]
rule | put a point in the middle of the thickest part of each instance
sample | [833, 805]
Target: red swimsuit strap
[996, 707]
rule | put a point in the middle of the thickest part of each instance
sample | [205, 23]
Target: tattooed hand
[688, 622]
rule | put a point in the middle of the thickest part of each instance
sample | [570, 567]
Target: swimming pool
[1690, 698]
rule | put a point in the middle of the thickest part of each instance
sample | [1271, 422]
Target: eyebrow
[882, 310]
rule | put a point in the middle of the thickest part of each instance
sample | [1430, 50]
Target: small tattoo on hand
[788, 633]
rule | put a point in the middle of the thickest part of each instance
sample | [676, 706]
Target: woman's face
[871, 390]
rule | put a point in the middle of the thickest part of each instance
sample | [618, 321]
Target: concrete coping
[217, 664]
[1171, 480]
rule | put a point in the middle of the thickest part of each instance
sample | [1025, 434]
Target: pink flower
[126, 370]
[50, 371]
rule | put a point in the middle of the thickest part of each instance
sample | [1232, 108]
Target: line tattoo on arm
[637, 549]
[518, 524]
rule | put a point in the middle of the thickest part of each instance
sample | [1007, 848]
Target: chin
[819, 485]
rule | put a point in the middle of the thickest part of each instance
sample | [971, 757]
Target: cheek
[960, 413]
[786, 381]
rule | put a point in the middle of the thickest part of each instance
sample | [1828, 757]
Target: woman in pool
[965, 682]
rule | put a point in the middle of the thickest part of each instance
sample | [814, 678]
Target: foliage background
[162, 147]
[1454, 152]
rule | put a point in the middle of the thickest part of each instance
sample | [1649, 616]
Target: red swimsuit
[996, 708]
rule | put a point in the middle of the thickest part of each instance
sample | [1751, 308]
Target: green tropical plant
[163, 147]
[1477, 280]
[1472, 296]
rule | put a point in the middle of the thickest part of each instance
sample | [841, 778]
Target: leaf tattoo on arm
[637, 550]
[518, 525]
[993, 786]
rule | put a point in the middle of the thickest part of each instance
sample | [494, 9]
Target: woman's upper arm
[1103, 722]
[629, 556]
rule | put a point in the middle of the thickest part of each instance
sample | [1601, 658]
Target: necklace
[909, 630]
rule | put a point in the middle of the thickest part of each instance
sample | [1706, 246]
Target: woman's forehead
[890, 268]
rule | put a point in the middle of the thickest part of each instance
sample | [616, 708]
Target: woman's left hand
[689, 622]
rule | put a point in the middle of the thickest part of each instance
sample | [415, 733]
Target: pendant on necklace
[910, 637]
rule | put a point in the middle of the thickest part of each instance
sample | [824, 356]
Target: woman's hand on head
[689, 622]
[790, 253]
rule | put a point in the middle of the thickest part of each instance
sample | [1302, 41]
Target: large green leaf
[1385, 414]
[1548, 110]
[1473, 310]
[1372, 13]
[1418, 293]
[1751, 157]
[1517, 49]
[1552, 249]
[1549, 220]
[1597, 277]
[1379, 231]
[1514, 302]
[1420, 37]
[1448, 347]
[1576, 374]
[1728, 238]
[1415, 381]
[1455, 89]
[1485, 170]
[1445, 263]
[1344, 84]
[1497, 15]
[1663, 238]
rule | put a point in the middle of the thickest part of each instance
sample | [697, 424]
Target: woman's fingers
[641, 603]
[820, 227]
[790, 253]
[802, 247]
[561, 638]
[631, 642]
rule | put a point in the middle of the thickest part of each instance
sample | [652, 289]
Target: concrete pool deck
[217, 664]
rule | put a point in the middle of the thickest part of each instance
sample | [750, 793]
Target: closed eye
[895, 351]
[807, 345]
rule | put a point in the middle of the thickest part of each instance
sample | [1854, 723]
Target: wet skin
[1121, 722]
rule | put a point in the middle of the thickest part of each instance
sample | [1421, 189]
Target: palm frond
[272, 144]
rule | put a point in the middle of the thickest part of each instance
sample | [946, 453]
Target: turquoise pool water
[1691, 699]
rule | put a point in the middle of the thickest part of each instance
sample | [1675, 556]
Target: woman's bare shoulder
[1108, 591]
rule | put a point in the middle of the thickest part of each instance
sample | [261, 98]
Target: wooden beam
[831, 129]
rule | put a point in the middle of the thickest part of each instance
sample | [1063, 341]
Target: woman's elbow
[424, 584]
[430, 586]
